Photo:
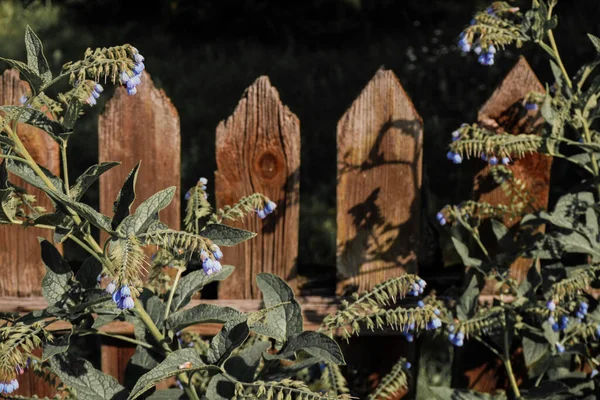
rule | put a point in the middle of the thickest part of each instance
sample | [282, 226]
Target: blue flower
[127, 303]
[437, 312]
[486, 59]
[564, 321]
[23, 99]
[598, 331]
[451, 337]
[261, 214]
[98, 88]
[407, 365]
[555, 327]
[505, 160]
[421, 303]
[451, 328]
[594, 373]
[464, 45]
[217, 266]
[91, 100]
[138, 58]
[456, 159]
[560, 348]
[409, 337]
[207, 266]
[124, 77]
[131, 91]
[550, 305]
[531, 106]
[138, 68]
[188, 195]
[551, 320]
[110, 288]
[450, 155]
[203, 180]
[477, 49]
[493, 160]
[483, 157]
[270, 206]
[217, 253]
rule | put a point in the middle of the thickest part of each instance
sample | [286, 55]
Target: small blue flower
[593, 373]
[218, 254]
[437, 312]
[551, 320]
[91, 100]
[560, 348]
[456, 159]
[8, 388]
[98, 88]
[125, 77]
[188, 195]
[203, 180]
[564, 321]
[208, 265]
[261, 214]
[531, 106]
[451, 337]
[486, 59]
[421, 303]
[442, 221]
[583, 307]
[125, 291]
[598, 331]
[505, 160]
[473, 21]
[203, 187]
[491, 49]
[133, 82]
[493, 160]
[138, 58]
[110, 288]
[217, 266]
[131, 91]
[407, 365]
[421, 283]
[550, 305]
[138, 68]
[451, 328]
[464, 45]
[450, 155]
[477, 50]
[579, 315]
[483, 157]
[2, 385]
[411, 326]
[127, 303]
[270, 206]
[23, 99]
[555, 327]
[409, 337]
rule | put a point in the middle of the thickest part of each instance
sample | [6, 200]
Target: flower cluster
[268, 209]
[211, 262]
[582, 311]
[488, 30]
[417, 288]
[132, 78]
[561, 325]
[10, 385]
[202, 182]
[94, 94]
[121, 297]
[458, 338]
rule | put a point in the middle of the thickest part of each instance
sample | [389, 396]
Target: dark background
[319, 54]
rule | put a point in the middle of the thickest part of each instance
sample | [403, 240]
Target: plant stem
[508, 366]
[114, 336]
[63, 156]
[190, 390]
[172, 293]
[13, 157]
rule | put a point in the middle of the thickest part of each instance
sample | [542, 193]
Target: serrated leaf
[243, 365]
[223, 235]
[35, 55]
[232, 335]
[314, 343]
[468, 301]
[55, 283]
[89, 383]
[534, 350]
[125, 198]
[59, 346]
[27, 73]
[168, 394]
[91, 175]
[195, 281]
[287, 319]
[202, 313]
[88, 273]
[145, 214]
[173, 364]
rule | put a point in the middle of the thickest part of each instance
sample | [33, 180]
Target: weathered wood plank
[504, 112]
[141, 127]
[258, 150]
[379, 140]
[21, 267]
[132, 128]
[114, 357]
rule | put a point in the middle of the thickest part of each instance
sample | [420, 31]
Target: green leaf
[27, 73]
[195, 281]
[463, 252]
[168, 394]
[314, 343]
[468, 301]
[90, 176]
[102, 320]
[531, 283]
[286, 320]
[72, 113]
[89, 383]
[38, 119]
[503, 235]
[173, 364]
[243, 365]
[35, 55]
[88, 273]
[202, 313]
[223, 235]
[125, 198]
[55, 284]
[595, 41]
[145, 214]
[60, 345]
[25, 172]
[100, 221]
[232, 335]
[220, 388]
[534, 350]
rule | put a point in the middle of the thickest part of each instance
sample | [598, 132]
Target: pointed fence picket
[380, 140]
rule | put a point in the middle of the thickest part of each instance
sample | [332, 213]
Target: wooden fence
[379, 153]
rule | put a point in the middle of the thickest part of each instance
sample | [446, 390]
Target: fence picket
[21, 269]
[258, 150]
[380, 140]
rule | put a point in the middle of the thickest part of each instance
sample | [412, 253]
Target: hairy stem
[63, 156]
[508, 366]
[172, 293]
[190, 390]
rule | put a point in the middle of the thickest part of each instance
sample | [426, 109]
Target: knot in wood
[268, 165]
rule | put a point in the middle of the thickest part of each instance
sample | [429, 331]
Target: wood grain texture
[115, 356]
[504, 112]
[258, 150]
[30, 384]
[379, 145]
[132, 128]
[142, 127]
[21, 267]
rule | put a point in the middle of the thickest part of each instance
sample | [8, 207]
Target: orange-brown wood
[379, 144]
[258, 150]
[132, 128]
[21, 267]
[504, 112]
[115, 356]
[31, 384]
